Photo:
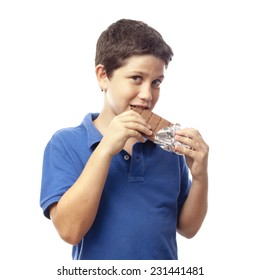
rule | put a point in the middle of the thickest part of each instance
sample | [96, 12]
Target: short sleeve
[58, 174]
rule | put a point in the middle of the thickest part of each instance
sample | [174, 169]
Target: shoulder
[83, 134]
[67, 135]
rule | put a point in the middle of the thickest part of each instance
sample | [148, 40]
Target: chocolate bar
[163, 130]
[155, 121]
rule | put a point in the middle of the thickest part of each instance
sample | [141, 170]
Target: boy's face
[136, 83]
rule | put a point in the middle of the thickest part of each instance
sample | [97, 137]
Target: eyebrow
[143, 74]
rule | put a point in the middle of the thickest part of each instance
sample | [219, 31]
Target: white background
[47, 82]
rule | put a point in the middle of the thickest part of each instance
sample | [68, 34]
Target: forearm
[76, 211]
[194, 209]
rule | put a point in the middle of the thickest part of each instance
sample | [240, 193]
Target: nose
[146, 93]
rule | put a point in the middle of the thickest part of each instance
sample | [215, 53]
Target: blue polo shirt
[140, 203]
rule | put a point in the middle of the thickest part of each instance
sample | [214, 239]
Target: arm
[195, 207]
[75, 212]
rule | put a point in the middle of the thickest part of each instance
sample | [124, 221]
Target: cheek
[154, 101]
[155, 97]
[129, 92]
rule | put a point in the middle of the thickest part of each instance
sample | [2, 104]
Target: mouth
[140, 107]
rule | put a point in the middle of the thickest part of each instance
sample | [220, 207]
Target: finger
[189, 142]
[131, 116]
[143, 129]
[191, 137]
[188, 132]
[184, 151]
[135, 134]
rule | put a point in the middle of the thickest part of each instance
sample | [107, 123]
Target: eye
[137, 79]
[156, 83]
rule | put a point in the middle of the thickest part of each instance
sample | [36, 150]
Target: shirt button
[126, 157]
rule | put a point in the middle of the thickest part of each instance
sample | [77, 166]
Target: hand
[197, 153]
[121, 128]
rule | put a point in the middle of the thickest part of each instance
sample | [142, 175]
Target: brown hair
[126, 38]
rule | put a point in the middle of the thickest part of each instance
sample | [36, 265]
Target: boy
[109, 192]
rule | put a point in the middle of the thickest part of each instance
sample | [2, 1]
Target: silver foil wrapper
[165, 138]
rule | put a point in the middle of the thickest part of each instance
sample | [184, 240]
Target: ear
[102, 77]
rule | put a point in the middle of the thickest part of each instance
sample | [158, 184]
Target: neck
[102, 122]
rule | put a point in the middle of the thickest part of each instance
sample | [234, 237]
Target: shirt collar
[94, 136]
